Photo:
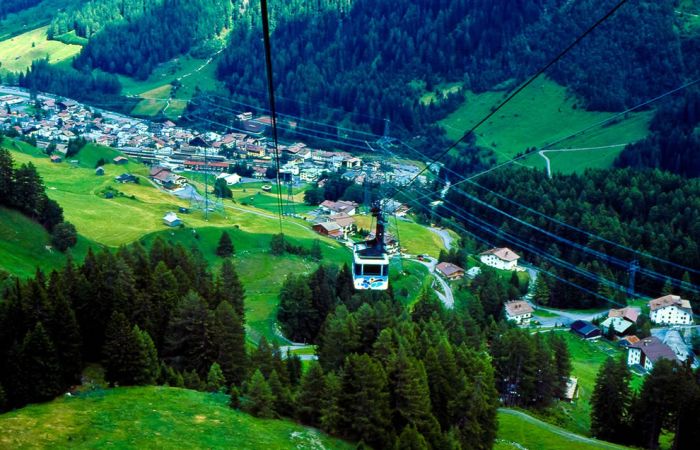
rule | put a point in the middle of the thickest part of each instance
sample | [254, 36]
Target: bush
[64, 236]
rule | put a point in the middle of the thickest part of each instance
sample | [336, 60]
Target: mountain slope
[145, 417]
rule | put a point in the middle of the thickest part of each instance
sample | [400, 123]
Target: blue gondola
[370, 269]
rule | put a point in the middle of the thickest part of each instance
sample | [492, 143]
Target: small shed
[100, 171]
[56, 159]
[586, 330]
[120, 160]
[172, 220]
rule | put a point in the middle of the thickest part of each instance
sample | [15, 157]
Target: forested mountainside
[10, 6]
[365, 59]
[136, 47]
[650, 211]
[91, 17]
[674, 143]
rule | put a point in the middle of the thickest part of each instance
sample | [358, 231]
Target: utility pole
[634, 267]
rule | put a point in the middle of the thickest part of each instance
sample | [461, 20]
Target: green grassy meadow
[17, 53]
[586, 357]
[33, 18]
[543, 113]
[516, 432]
[151, 417]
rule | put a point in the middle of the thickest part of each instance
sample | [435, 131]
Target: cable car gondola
[370, 261]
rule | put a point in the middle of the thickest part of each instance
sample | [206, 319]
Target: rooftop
[654, 349]
[503, 253]
[518, 308]
[669, 300]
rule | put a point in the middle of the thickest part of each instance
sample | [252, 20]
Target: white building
[172, 220]
[230, 178]
[671, 310]
[647, 352]
[519, 312]
[500, 258]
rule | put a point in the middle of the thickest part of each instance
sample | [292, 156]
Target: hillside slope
[148, 417]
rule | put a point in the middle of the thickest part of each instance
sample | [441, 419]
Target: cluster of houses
[175, 148]
[669, 313]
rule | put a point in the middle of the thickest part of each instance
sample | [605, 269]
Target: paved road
[560, 431]
[566, 150]
[447, 239]
[448, 297]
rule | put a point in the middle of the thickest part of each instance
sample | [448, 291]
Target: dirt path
[542, 153]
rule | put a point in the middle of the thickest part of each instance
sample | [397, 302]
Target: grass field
[192, 73]
[587, 357]
[415, 239]
[151, 417]
[24, 245]
[516, 432]
[540, 115]
[34, 17]
[17, 53]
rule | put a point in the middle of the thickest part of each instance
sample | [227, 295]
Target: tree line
[12, 6]
[92, 16]
[134, 48]
[22, 189]
[673, 143]
[652, 211]
[668, 401]
[425, 370]
[149, 316]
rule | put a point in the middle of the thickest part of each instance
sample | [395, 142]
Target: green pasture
[151, 417]
[540, 115]
[18, 52]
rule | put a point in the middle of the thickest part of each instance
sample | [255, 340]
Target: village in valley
[647, 331]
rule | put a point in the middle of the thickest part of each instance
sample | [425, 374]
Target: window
[373, 269]
[358, 269]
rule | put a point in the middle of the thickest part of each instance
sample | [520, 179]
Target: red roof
[202, 163]
[449, 269]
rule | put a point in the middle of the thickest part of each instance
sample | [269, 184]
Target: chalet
[119, 160]
[100, 171]
[620, 320]
[172, 220]
[166, 178]
[56, 159]
[213, 166]
[671, 310]
[330, 229]
[500, 258]
[199, 142]
[67, 105]
[125, 178]
[338, 207]
[352, 163]
[344, 221]
[519, 311]
[586, 330]
[647, 352]
[571, 391]
[626, 341]
[450, 271]
[230, 178]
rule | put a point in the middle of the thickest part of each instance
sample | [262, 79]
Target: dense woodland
[136, 47]
[365, 58]
[651, 211]
[82, 86]
[668, 402]
[674, 142]
[11, 6]
[91, 17]
[22, 189]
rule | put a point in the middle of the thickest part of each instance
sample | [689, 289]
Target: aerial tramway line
[370, 258]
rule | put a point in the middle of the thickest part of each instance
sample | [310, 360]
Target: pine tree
[234, 397]
[315, 251]
[7, 177]
[192, 380]
[228, 335]
[331, 414]
[282, 405]
[216, 382]
[562, 362]
[312, 395]
[3, 399]
[39, 368]
[149, 365]
[278, 244]
[411, 439]
[230, 289]
[610, 401]
[541, 291]
[294, 368]
[126, 354]
[188, 340]
[225, 247]
[364, 401]
[65, 333]
[260, 399]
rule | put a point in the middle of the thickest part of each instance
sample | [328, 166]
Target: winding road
[567, 150]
